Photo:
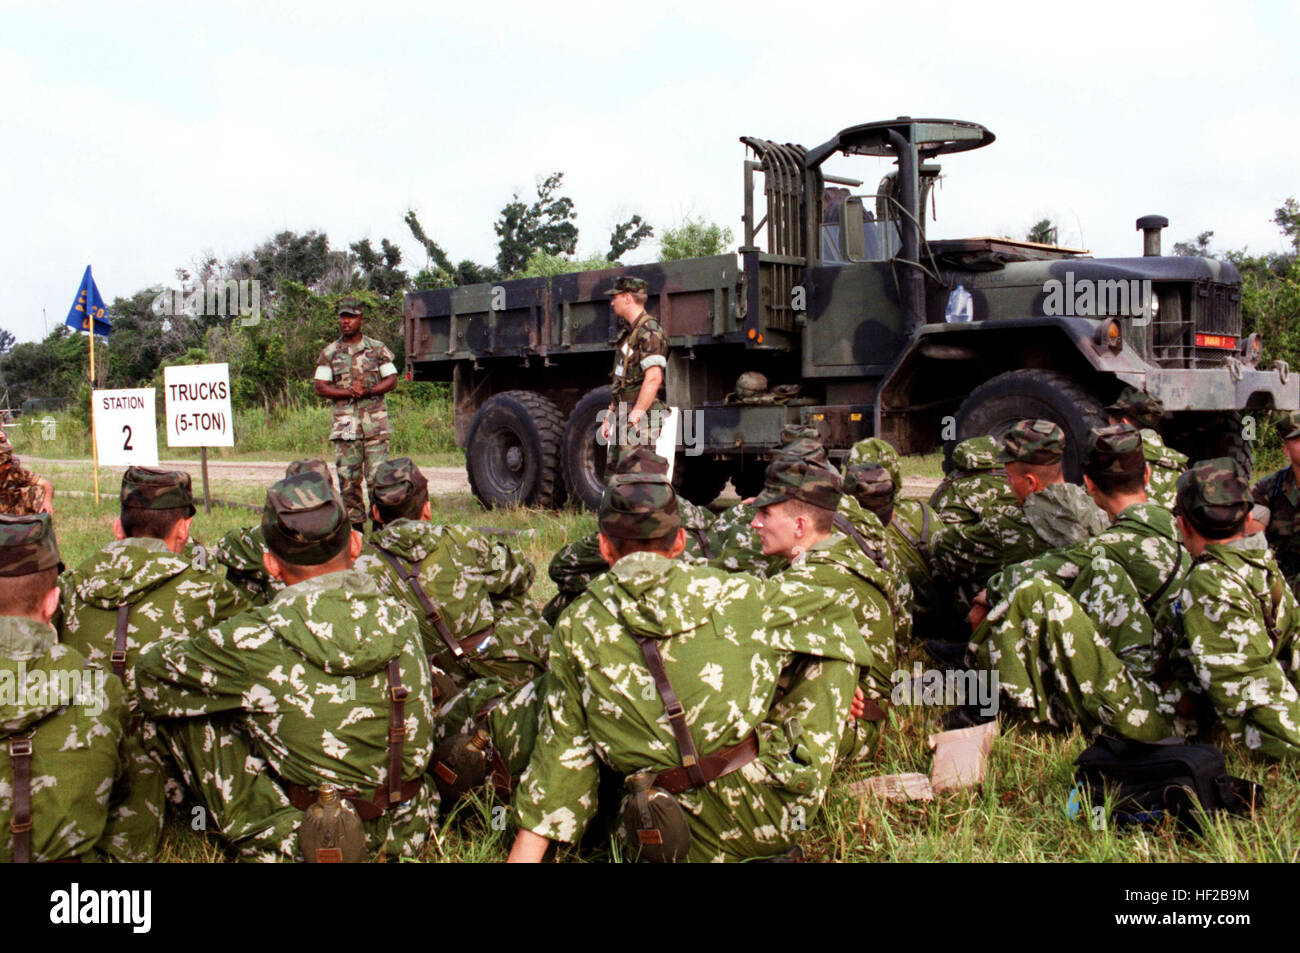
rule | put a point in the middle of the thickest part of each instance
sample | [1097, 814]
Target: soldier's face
[778, 529]
[1022, 484]
[1292, 450]
[349, 325]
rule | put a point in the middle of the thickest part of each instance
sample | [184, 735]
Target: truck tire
[700, 479]
[513, 451]
[1203, 436]
[1000, 401]
[747, 476]
[582, 459]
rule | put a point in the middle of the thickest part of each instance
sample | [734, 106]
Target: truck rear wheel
[747, 476]
[1000, 401]
[700, 479]
[583, 459]
[513, 451]
[1203, 436]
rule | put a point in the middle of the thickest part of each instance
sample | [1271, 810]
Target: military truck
[860, 325]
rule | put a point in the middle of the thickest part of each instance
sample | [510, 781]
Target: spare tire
[582, 459]
[513, 451]
[1001, 401]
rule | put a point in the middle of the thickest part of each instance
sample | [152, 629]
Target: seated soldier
[1231, 664]
[1279, 492]
[22, 492]
[62, 732]
[1140, 410]
[1052, 513]
[265, 710]
[665, 672]
[794, 521]
[976, 485]
[241, 550]
[469, 591]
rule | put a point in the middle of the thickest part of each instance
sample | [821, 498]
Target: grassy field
[1019, 814]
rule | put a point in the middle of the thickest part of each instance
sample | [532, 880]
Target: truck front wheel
[583, 458]
[1000, 401]
[513, 451]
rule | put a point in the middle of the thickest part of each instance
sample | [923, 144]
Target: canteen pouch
[653, 823]
[1149, 781]
[331, 831]
[460, 765]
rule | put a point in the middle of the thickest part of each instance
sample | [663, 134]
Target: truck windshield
[880, 242]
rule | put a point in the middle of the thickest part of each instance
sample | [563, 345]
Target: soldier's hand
[979, 608]
[604, 427]
[357, 389]
[859, 706]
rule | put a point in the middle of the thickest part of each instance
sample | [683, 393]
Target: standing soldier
[356, 372]
[640, 363]
[1278, 491]
[1141, 410]
[22, 493]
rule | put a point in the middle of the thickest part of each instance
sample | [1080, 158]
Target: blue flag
[87, 306]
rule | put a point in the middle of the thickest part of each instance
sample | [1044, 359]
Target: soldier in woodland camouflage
[976, 486]
[1052, 513]
[21, 492]
[355, 372]
[63, 723]
[795, 521]
[262, 709]
[638, 379]
[724, 640]
[1139, 409]
[1278, 491]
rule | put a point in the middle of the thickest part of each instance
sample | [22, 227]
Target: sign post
[197, 398]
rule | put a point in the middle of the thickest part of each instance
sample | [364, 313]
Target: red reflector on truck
[1216, 340]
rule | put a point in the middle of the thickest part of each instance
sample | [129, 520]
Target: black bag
[1149, 781]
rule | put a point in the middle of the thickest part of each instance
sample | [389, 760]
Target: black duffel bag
[1150, 781]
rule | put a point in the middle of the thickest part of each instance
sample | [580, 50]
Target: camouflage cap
[804, 443]
[351, 306]
[751, 384]
[871, 485]
[1288, 425]
[1139, 407]
[977, 453]
[1214, 497]
[397, 481]
[795, 478]
[880, 451]
[1036, 442]
[792, 432]
[314, 466]
[1116, 450]
[639, 506]
[145, 488]
[304, 522]
[27, 545]
[626, 283]
[640, 459]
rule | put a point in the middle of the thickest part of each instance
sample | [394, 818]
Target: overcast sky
[137, 138]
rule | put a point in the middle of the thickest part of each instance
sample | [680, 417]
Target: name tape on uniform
[197, 399]
[125, 427]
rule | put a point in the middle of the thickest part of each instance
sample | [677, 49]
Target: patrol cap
[27, 545]
[794, 478]
[303, 521]
[977, 453]
[1213, 496]
[639, 506]
[351, 306]
[1115, 450]
[397, 483]
[877, 450]
[640, 459]
[627, 283]
[1139, 407]
[872, 486]
[146, 488]
[315, 466]
[804, 443]
[751, 384]
[1036, 442]
[1288, 425]
[792, 432]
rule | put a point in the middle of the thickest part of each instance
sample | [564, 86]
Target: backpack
[1149, 781]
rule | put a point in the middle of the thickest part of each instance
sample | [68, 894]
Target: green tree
[7, 340]
[627, 236]
[694, 238]
[1199, 247]
[1043, 232]
[1287, 218]
[546, 225]
[545, 265]
[287, 256]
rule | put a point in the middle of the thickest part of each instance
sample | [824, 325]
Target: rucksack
[1149, 781]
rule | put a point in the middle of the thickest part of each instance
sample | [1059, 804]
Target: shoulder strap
[20, 822]
[431, 612]
[918, 543]
[703, 538]
[1278, 479]
[118, 658]
[1152, 599]
[397, 693]
[676, 713]
[842, 523]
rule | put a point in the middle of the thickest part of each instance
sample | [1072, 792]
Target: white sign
[669, 439]
[197, 399]
[125, 427]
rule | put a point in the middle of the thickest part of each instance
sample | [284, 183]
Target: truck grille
[1199, 325]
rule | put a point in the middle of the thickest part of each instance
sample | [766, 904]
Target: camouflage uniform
[240, 551]
[361, 429]
[641, 345]
[300, 687]
[1058, 515]
[1145, 412]
[21, 493]
[724, 640]
[976, 486]
[79, 774]
[1279, 493]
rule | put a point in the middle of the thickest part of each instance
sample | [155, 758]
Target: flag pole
[94, 445]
